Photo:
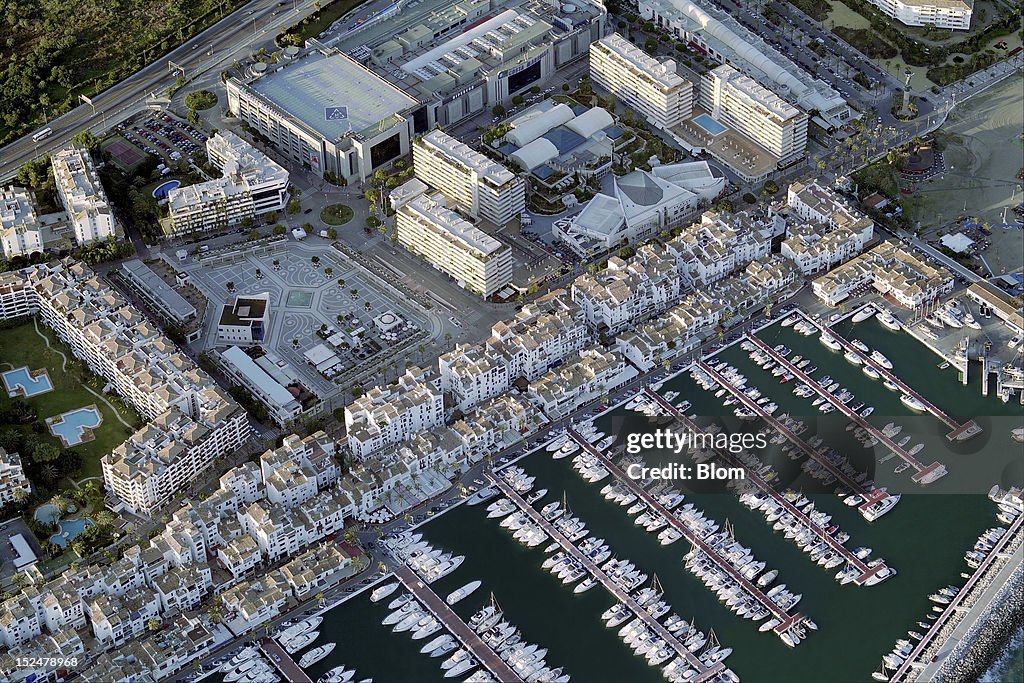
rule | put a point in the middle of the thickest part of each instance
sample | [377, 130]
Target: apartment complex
[833, 233]
[478, 262]
[541, 335]
[252, 184]
[191, 420]
[81, 194]
[641, 82]
[20, 231]
[479, 186]
[13, 482]
[948, 14]
[893, 271]
[386, 415]
[717, 245]
[740, 102]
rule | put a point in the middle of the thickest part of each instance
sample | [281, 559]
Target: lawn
[336, 214]
[20, 346]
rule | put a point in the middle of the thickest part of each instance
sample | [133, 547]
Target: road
[228, 39]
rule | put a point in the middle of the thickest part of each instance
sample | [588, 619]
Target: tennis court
[125, 154]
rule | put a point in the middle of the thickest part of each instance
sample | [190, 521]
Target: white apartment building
[893, 271]
[13, 482]
[581, 380]
[386, 415]
[815, 248]
[817, 203]
[252, 184]
[245, 321]
[948, 14]
[741, 103]
[479, 186]
[626, 292]
[192, 421]
[20, 231]
[116, 620]
[641, 82]
[478, 262]
[282, 407]
[81, 193]
[717, 245]
[541, 335]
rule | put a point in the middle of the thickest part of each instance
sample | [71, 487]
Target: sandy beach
[984, 154]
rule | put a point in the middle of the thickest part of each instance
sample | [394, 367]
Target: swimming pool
[161, 191]
[74, 427]
[68, 530]
[48, 513]
[21, 382]
[709, 124]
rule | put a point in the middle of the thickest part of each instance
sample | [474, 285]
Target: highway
[229, 39]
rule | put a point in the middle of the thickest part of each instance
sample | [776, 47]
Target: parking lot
[329, 302]
[164, 136]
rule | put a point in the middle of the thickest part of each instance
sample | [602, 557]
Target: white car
[1013, 343]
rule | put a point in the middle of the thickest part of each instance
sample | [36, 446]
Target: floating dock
[958, 432]
[923, 474]
[704, 672]
[866, 572]
[451, 621]
[786, 621]
[291, 671]
[905, 670]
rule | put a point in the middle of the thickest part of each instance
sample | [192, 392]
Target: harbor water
[924, 538]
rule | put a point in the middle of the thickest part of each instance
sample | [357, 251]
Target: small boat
[912, 403]
[338, 674]
[460, 593]
[316, 654]
[384, 591]
[870, 372]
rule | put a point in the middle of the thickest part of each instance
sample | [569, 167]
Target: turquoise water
[47, 513]
[68, 530]
[20, 378]
[161, 191]
[73, 424]
[709, 124]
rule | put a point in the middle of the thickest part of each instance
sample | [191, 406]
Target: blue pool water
[20, 381]
[47, 514]
[709, 124]
[161, 191]
[71, 426]
[68, 530]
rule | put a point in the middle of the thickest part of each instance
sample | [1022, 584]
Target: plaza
[317, 297]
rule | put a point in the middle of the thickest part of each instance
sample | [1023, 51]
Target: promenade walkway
[786, 621]
[821, 534]
[454, 624]
[910, 666]
[284, 662]
[704, 673]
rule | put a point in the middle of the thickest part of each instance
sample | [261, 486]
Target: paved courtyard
[307, 298]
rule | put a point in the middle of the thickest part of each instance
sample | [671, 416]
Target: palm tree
[259, 274]
[277, 264]
[315, 260]
[320, 599]
[328, 271]
[382, 567]
[231, 286]
[295, 343]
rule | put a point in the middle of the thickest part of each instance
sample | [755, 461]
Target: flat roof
[248, 368]
[155, 286]
[23, 555]
[331, 93]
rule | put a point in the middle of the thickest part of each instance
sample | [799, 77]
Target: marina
[703, 673]
[923, 473]
[785, 621]
[291, 671]
[455, 625]
[865, 572]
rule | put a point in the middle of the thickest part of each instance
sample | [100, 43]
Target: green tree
[497, 110]
[85, 138]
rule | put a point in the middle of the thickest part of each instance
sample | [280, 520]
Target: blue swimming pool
[47, 513]
[161, 191]
[20, 382]
[709, 124]
[71, 427]
[68, 530]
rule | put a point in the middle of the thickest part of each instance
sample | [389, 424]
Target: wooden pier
[956, 604]
[786, 621]
[923, 474]
[284, 662]
[451, 621]
[704, 672]
[958, 432]
[866, 572]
